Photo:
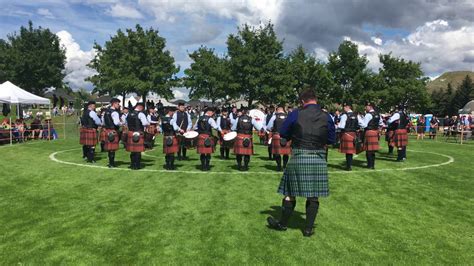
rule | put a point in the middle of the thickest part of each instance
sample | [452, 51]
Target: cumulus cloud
[438, 46]
[76, 61]
[124, 11]
[180, 94]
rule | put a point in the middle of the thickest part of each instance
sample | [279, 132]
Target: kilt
[221, 136]
[170, 149]
[114, 145]
[102, 135]
[371, 140]
[135, 147]
[306, 175]
[277, 148]
[348, 143]
[400, 139]
[201, 148]
[88, 136]
[239, 148]
[124, 134]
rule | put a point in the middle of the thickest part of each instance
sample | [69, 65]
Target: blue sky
[437, 33]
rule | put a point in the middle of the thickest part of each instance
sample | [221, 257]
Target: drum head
[191, 134]
[256, 114]
[230, 136]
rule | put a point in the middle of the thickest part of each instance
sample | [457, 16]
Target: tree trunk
[144, 98]
[249, 102]
[123, 99]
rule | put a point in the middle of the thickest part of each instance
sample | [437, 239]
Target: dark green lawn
[52, 212]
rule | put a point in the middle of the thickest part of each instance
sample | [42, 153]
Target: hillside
[455, 78]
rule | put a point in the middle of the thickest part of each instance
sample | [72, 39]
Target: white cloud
[124, 11]
[76, 61]
[242, 10]
[437, 45]
[45, 13]
[377, 40]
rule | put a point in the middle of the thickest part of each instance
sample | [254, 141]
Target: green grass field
[55, 209]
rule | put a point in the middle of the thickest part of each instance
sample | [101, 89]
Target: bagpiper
[182, 120]
[243, 145]
[371, 123]
[88, 132]
[224, 124]
[348, 125]
[280, 146]
[311, 130]
[206, 142]
[123, 119]
[389, 133]
[152, 129]
[136, 121]
[111, 128]
[170, 142]
[400, 121]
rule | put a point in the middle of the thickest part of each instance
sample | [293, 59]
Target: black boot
[227, 152]
[179, 153]
[390, 149]
[184, 154]
[399, 155]
[208, 162]
[373, 160]
[349, 162]
[312, 206]
[287, 208]
[172, 162]
[239, 162]
[167, 162]
[85, 150]
[132, 160]
[222, 153]
[139, 160]
[278, 161]
[405, 153]
[270, 155]
[90, 155]
[111, 159]
[285, 160]
[102, 145]
[203, 162]
[246, 162]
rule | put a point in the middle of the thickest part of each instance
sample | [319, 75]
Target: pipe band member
[206, 141]
[170, 141]
[136, 121]
[311, 130]
[371, 124]
[400, 121]
[112, 125]
[182, 121]
[88, 132]
[279, 145]
[349, 125]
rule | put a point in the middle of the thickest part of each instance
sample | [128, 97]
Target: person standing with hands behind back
[311, 130]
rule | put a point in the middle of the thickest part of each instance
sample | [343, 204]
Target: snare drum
[190, 139]
[229, 139]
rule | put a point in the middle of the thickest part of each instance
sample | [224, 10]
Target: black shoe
[308, 232]
[111, 165]
[278, 168]
[275, 224]
[179, 158]
[348, 168]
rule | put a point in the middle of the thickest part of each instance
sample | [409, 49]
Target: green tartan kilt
[306, 174]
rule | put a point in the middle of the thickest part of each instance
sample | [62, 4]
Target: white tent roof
[10, 93]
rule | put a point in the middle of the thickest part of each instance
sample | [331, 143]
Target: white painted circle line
[52, 157]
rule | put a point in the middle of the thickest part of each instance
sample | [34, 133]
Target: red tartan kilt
[114, 145]
[88, 136]
[102, 135]
[201, 149]
[371, 140]
[401, 138]
[221, 136]
[277, 148]
[347, 143]
[239, 148]
[170, 149]
[135, 147]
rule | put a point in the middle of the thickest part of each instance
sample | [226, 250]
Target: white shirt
[175, 119]
[365, 121]
[143, 119]
[255, 124]
[343, 120]
[93, 115]
[211, 122]
[393, 118]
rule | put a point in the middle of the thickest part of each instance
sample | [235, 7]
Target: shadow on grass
[297, 220]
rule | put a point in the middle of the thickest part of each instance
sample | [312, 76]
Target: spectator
[420, 129]
[36, 128]
[433, 127]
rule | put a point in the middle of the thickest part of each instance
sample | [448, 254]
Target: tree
[134, 62]
[208, 76]
[463, 93]
[307, 71]
[349, 72]
[257, 65]
[32, 59]
[402, 82]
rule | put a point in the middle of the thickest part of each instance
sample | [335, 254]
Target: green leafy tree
[33, 59]
[403, 82]
[349, 72]
[208, 76]
[463, 94]
[134, 61]
[257, 65]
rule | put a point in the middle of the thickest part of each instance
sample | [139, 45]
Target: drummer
[243, 146]
[205, 145]
[170, 142]
[280, 146]
[224, 124]
[182, 123]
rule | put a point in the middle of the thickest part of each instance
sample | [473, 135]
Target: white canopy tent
[12, 94]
